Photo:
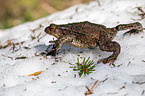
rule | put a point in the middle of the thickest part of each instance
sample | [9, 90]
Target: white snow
[58, 79]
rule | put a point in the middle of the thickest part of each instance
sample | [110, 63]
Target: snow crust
[128, 79]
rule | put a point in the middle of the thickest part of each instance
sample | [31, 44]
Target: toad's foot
[106, 60]
[133, 31]
[51, 52]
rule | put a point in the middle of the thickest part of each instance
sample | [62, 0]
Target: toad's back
[87, 29]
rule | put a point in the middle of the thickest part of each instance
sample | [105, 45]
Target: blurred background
[15, 12]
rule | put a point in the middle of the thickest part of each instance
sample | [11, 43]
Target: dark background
[14, 12]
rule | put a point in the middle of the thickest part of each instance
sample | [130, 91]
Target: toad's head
[53, 30]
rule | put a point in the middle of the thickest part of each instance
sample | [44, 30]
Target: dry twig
[36, 73]
[99, 3]
[90, 90]
[142, 14]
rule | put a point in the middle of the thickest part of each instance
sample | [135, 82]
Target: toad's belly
[82, 45]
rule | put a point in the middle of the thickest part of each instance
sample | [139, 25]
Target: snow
[57, 78]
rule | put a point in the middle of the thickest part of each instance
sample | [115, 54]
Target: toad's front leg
[58, 44]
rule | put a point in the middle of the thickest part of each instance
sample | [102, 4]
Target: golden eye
[51, 28]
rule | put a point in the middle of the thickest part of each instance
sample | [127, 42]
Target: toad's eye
[51, 28]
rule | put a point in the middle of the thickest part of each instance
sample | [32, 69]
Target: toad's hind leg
[110, 47]
[134, 28]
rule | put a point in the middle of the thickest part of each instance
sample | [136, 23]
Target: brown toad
[89, 35]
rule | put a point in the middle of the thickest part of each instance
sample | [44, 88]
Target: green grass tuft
[86, 67]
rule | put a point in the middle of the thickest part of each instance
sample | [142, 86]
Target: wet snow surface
[19, 60]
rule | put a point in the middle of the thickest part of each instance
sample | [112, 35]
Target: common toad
[89, 35]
